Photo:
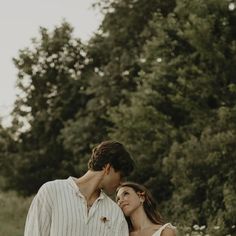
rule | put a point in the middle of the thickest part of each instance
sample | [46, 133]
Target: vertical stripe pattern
[59, 209]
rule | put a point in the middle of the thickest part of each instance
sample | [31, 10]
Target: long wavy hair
[149, 204]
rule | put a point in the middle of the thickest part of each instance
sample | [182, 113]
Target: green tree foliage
[51, 91]
[3, 146]
[187, 78]
[204, 176]
[114, 53]
[7, 150]
[147, 133]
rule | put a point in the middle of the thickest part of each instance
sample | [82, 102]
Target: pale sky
[19, 23]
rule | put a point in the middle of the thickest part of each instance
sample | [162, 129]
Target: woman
[140, 211]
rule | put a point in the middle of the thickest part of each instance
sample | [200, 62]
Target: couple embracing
[81, 206]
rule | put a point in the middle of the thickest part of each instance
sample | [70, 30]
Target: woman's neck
[140, 220]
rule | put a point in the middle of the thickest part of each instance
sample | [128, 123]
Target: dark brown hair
[113, 153]
[149, 204]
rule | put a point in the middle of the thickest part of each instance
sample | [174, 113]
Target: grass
[13, 211]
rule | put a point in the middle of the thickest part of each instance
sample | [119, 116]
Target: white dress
[167, 225]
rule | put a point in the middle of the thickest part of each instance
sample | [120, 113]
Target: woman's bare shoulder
[168, 232]
[149, 231]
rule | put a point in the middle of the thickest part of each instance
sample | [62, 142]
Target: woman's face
[128, 200]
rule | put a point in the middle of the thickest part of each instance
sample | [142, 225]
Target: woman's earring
[141, 197]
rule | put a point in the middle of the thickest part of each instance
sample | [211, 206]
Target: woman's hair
[149, 204]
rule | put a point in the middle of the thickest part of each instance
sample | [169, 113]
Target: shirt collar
[72, 183]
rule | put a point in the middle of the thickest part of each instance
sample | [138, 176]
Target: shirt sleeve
[38, 219]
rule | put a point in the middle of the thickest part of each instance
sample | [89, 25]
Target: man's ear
[107, 168]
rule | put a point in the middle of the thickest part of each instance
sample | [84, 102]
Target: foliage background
[159, 76]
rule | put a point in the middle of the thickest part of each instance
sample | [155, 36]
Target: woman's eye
[126, 193]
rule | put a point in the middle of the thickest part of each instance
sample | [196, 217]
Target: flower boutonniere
[104, 219]
[106, 222]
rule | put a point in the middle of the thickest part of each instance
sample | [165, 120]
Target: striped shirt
[59, 209]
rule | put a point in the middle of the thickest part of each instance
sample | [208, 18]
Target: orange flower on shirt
[104, 219]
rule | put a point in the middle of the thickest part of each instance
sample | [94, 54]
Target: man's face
[111, 180]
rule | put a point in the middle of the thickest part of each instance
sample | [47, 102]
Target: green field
[13, 210]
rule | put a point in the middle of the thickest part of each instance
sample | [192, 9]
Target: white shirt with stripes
[59, 209]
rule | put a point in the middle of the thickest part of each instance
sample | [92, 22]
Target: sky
[19, 23]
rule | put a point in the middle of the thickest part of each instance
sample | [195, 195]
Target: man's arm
[38, 220]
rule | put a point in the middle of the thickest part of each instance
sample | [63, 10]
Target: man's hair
[113, 153]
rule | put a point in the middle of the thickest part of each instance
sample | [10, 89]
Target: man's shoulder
[53, 184]
[51, 190]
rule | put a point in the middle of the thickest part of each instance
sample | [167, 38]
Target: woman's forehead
[124, 189]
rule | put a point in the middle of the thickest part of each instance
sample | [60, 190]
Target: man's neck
[89, 185]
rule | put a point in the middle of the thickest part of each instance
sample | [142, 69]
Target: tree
[186, 79]
[203, 174]
[51, 89]
[115, 54]
[8, 150]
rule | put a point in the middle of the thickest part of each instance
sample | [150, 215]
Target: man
[80, 206]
